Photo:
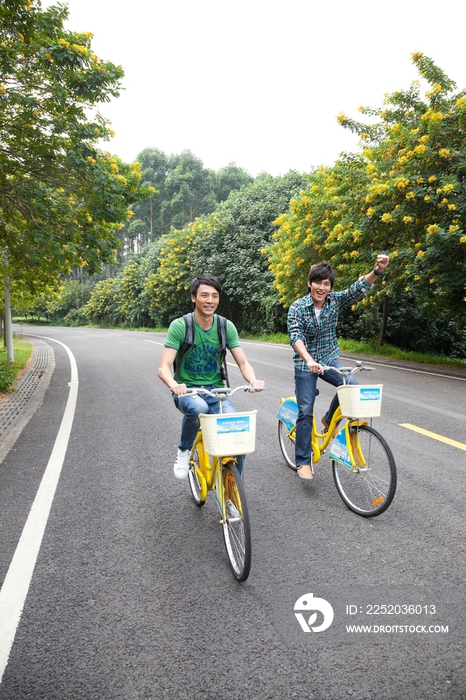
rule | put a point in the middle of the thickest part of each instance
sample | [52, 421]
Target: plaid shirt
[320, 336]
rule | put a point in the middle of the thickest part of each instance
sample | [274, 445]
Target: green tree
[102, 306]
[229, 178]
[404, 194]
[69, 296]
[229, 244]
[188, 191]
[62, 199]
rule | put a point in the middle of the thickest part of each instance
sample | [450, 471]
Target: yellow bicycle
[363, 465]
[213, 468]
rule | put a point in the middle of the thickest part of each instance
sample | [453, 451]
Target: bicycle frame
[210, 474]
[218, 472]
[320, 441]
[363, 466]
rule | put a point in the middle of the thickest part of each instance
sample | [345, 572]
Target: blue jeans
[191, 405]
[305, 388]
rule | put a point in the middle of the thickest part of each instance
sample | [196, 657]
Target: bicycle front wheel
[196, 479]
[286, 440]
[369, 488]
[236, 528]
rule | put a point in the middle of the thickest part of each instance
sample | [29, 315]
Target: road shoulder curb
[18, 406]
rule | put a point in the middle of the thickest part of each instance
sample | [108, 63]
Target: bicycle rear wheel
[286, 440]
[196, 480]
[236, 528]
[369, 488]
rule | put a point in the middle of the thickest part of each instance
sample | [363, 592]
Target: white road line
[17, 581]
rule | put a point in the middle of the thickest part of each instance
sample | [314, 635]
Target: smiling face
[319, 291]
[206, 300]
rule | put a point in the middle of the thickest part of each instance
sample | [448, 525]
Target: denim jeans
[305, 388]
[191, 405]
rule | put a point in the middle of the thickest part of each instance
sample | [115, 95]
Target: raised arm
[380, 267]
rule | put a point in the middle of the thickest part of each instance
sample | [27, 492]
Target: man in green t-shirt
[200, 366]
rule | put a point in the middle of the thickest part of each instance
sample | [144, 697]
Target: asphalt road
[132, 596]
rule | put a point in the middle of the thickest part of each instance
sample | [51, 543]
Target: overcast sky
[258, 82]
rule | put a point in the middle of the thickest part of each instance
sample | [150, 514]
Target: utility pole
[8, 326]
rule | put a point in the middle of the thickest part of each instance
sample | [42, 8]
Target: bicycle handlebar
[223, 392]
[347, 371]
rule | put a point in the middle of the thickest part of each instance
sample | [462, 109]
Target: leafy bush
[8, 373]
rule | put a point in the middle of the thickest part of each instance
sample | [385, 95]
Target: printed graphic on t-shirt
[202, 359]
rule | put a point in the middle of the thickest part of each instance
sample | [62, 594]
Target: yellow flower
[452, 206]
[410, 195]
[453, 229]
[370, 211]
[387, 217]
[433, 228]
[448, 188]
[430, 115]
[432, 178]
[444, 152]
[407, 219]
[426, 198]
[420, 254]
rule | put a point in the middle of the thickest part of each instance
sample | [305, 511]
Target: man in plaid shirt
[312, 324]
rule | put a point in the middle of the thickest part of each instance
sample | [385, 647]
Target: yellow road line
[152, 341]
[448, 441]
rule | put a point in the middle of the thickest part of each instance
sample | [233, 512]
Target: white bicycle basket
[229, 434]
[358, 401]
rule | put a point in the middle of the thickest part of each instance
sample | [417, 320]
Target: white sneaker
[181, 466]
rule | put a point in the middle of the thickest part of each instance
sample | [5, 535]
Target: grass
[391, 352]
[371, 348]
[352, 346]
[10, 370]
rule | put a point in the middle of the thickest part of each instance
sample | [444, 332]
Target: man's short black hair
[320, 272]
[205, 279]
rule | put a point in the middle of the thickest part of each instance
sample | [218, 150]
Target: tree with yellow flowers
[403, 194]
[62, 199]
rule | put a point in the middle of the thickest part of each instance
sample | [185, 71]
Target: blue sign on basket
[369, 394]
[233, 424]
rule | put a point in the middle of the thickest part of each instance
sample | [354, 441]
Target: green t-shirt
[200, 365]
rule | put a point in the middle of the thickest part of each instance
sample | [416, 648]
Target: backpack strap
[188, 342]
[222, 336]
